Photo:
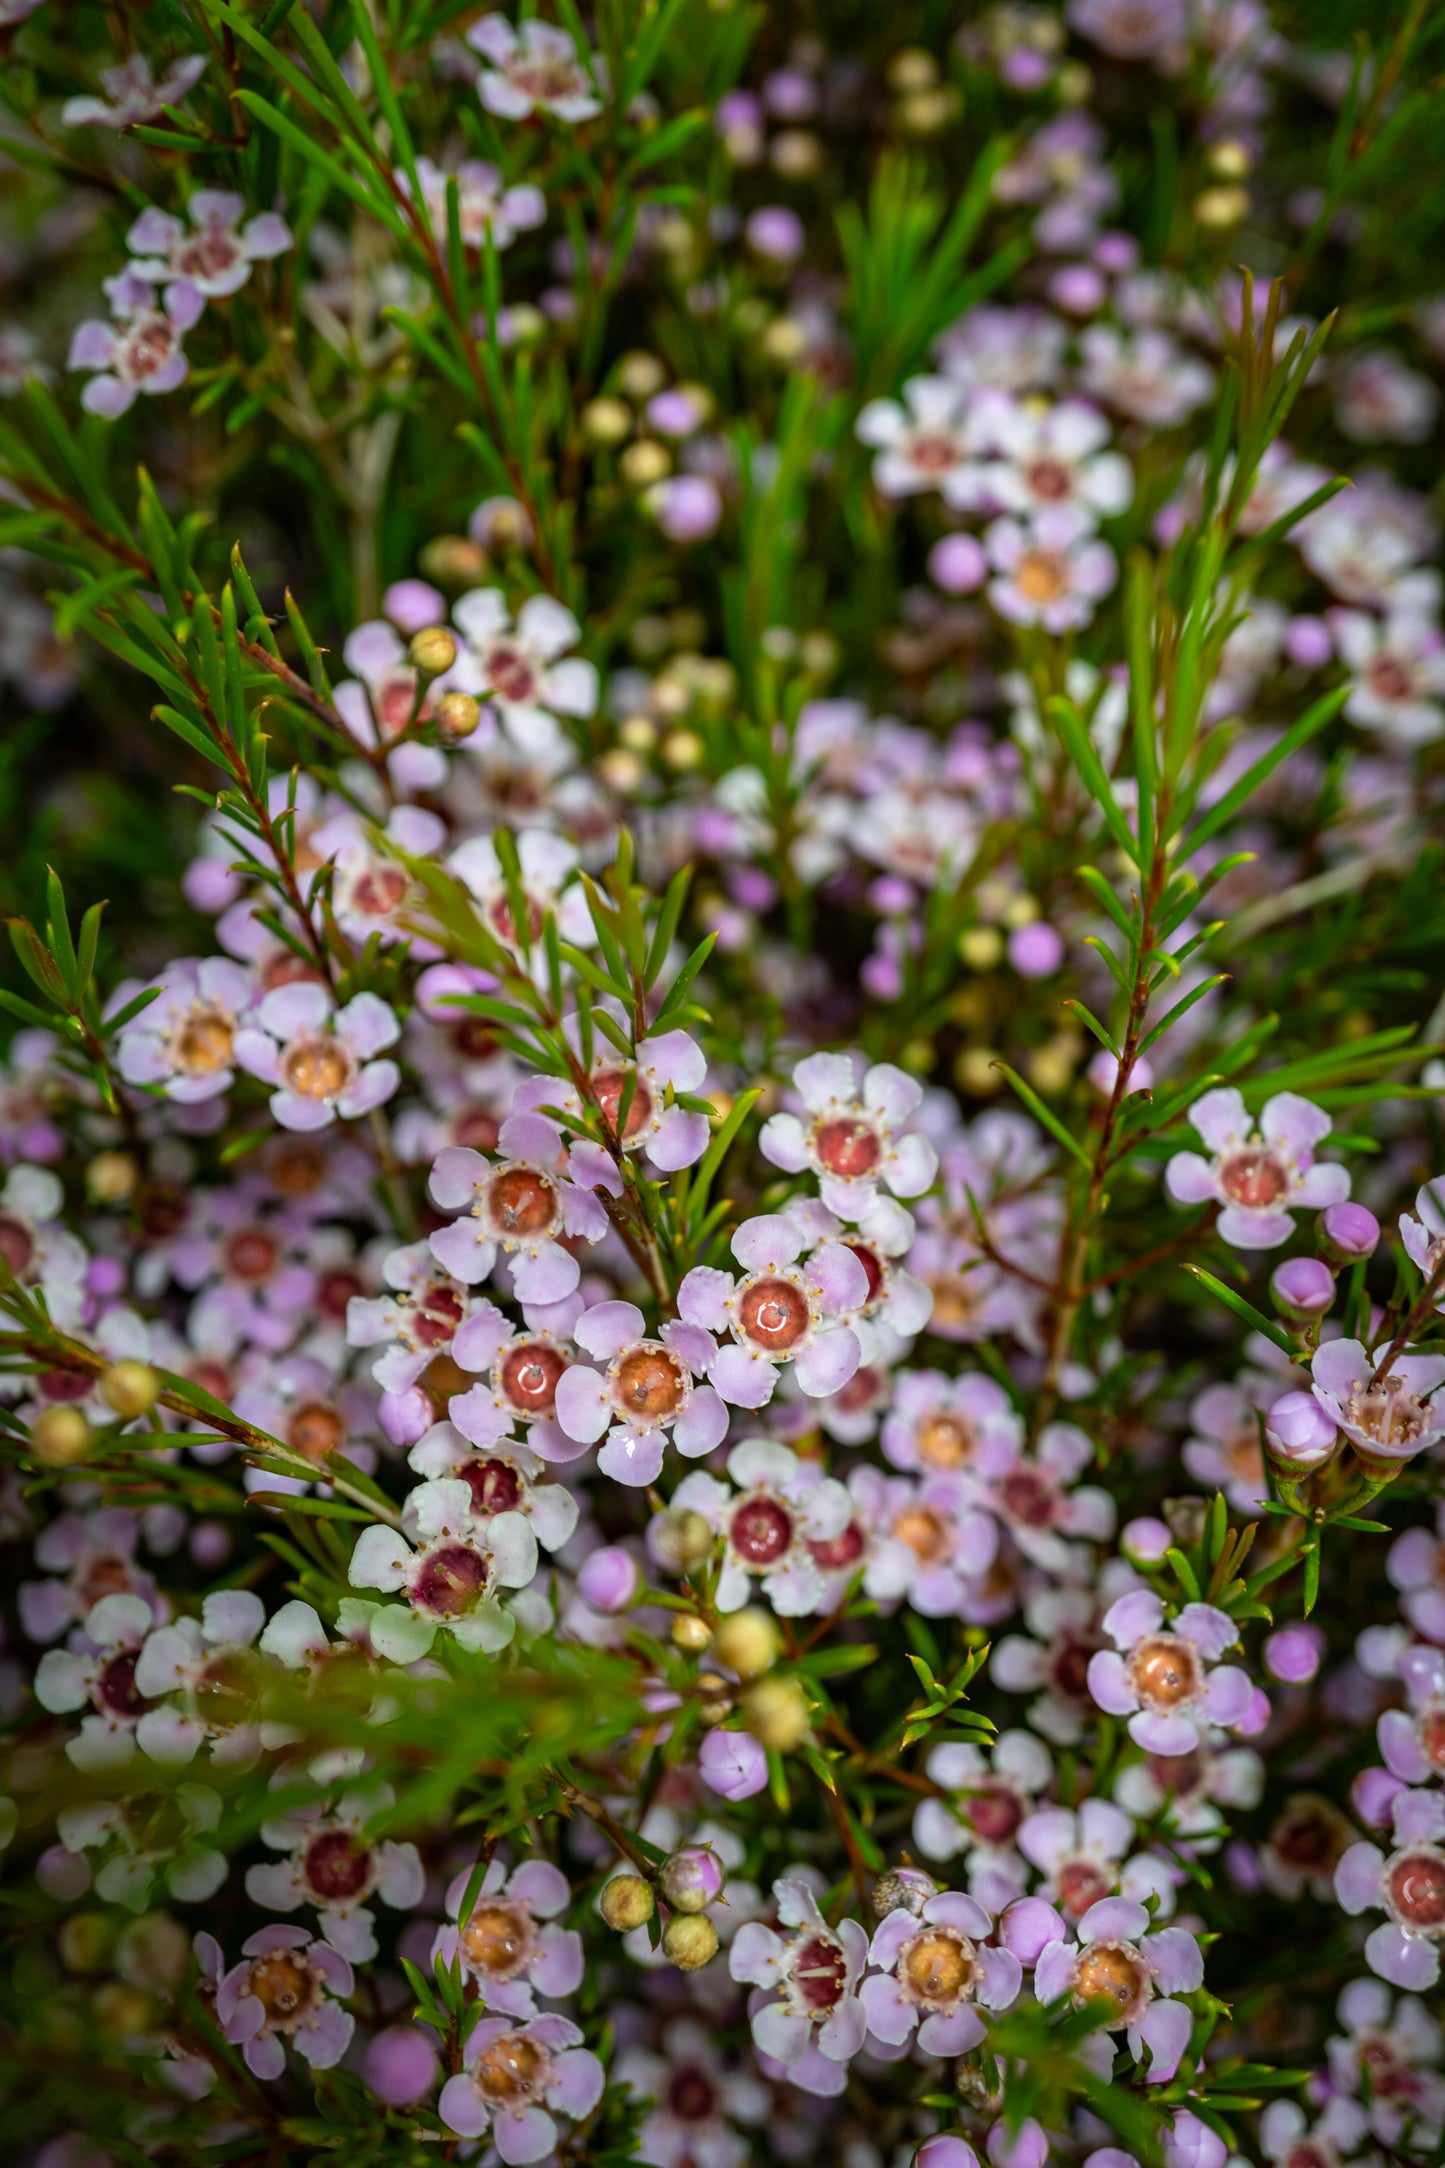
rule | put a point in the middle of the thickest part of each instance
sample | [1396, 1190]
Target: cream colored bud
[975, 1071]
[1230, 159]
[981, 947]
[796, 153]
[457, 715]
[621, 770]
[606, 421]
[691, 1633]
[784, 340]
[121, 2012]
[1020, 911]
[60, 1437]
[918, 1056]
[681, 1540]
[689, 1941]
[85, 1941]
[111, 1177]
[645, 462]
[929, 112]
[1224, 206]
[1074, 83]
[777, 1713]
[912, 70]
[638, 733]
[641, 374]
[747, 1642]
[454, 560]
[130, 1388]
[433, 650]
[682, 749]
[627, 1902]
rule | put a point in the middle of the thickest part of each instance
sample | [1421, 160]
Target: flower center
[297, 1166]
[847, 1147]
[773, 1315]
[211, 252]
[226, 1688]
[148, 345]
[495, 1485]
[945, 1440]
[691, 2095]
[316, 1068]
[335, 1291]
[1027, 1496]
[820, 1973]
[1416, 1883]
[1253, 1178]
[529, 1376]
[1165, 1671]
[648, 1382]
[314, 1430]
[831, 1552]
[1387, 1412]
[379, 891]
[761, 1530]
[923, 1532]
[337, 1867]
[17, 1244]
[203, 1043]
[495, 1939]
[1431, 1733]
[115, 1687]
[522, 1202]
[609, 1088]
[1049, 479]
[509, 2069]
[1069, 1672]
[284, 1985]
[938, 1967]
[251, 1255]
[995, 1813]
[1041, 576]
[1081, 1883]
[933, 452]
[478, 1128]
[511, 674]
[1308, 1835]
[1180, 1774]
[871, 1267]
[434, 1314]
[392, 701]
[1388, 676]
[452, 1580]
[1107, 1972]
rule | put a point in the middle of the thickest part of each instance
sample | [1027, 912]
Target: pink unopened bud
[1028, 1927]
[776, 232]
[1299, 1434]
[687, 507]
[1255, 1717]
[732, 1764]
[1307, 641]
[1026, 2147]
[406, 1416]
[1035, 950]
[957, 564]
[608, 1579]
[1192, 2144]
[1348, 1232]
[1078, 289]
[1293, 1654]
[1302, 1288]
[1103, 1074]
[945, 2151]
[63, 1875]
[401, 2065]
[1146, 1540]
[692, 1878]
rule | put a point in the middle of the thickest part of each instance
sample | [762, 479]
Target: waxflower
[333, 1865]
[206, 1676]
[214, 256]
[696, 2099]
[502, 1478]
[771, 1524]
[1399, 2048]
[133, 93]
[1135, 1973]
[546, 866]
[1040, 456]
[1083, 1857]
[930, 1540]
[322, 1060]
[516, 2081]
[1168, 1680]
[413, 1322]
[811, 1972]
[778, 1312]
[1388, 1418]
[139, 350]
[523, 665]
[1050, 571]
[647, 1390]
[520, 1205]
[286, 1987]
[1408, 1885]
[510, 1943]
[184, 1041]
[670, 1136]
[1037, 1498]
[933, 1969]
[453, 1580]
[920, 444]
[486, 209]
[987, 1798]
[522, 1371]
[1424, 1237]
[854, 1138]
[99, 1667]
[534, 68]
[1412, 1740]
[1257, 1172]
[149, 1837]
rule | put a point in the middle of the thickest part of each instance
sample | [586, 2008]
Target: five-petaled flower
[454, 1579]
[1168, 1680]
[854, 1136]
[647, 1389]
[1259, 1172]
[778, 1312]
[323, 1061]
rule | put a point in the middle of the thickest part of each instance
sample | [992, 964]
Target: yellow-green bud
[689, 1941]
[60, 1437]
[433, 650]
[777, 1714]
[457, 715]
[691, 1633]
[627, 1902]
[131, 1388]
[747, 1643]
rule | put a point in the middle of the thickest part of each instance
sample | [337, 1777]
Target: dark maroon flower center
[871, 1266]
[115, 1688]
[337, 1867]
[451, 1580]
[1027, 1496]
[1049, 479]
[436, 1313]
[1417, 1888]
[1081, 1883]
[63, 1385]
[774, 1315]
[336, 1290]
[511, 674]
[1254, 1179]
[251, 1254]
[609, 1088]
[820, 1973]
[832, 1552]
[379, 891]
[494, 1484]
[17, 1245]
[761, 1530]
[691, 2095]
[995, 1813]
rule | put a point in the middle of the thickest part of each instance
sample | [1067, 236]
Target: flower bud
[606, 421]
[627, 1902]
[691, 1633]
[692, 1878]
[777, 1713]
[689, 1941]
[608, 1580]
[130, 1388]
[903, 1889]
[945, 2151]
[60, 1437]
[433, 650]
[1348, 1232]
[747, 1643]
[1145, 1541]
[1292, 1655]
[401, 2065]
[732, 1764]
[1036, 950]
[457, 716]
[111, 1177]
[1302, 1288]
[455, 560]
[679, 1540]
[1299, 1434]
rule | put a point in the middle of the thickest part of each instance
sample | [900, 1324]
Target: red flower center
[1417, 1888]
[115, 1687]
[529, 1376]
[832, 1552]
[451, 1581]
[337, 1867]
[609, 1088]
[648, 1383]
[1254, 1179]
[773, 1315]
[848, 1148]
[761, 1530]
[995, 1812]
[17, 1245]
[820, 1973]
[494, 1484]
[251, 1254]
[522, 1201]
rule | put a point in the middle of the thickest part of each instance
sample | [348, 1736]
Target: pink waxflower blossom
[321, 1060]
[929, 1541]
[1136, 1974]
[1258, 1172]
[1084, 1856]
[669, 1135]
[99, 1668]
[922, 443]
[534, 69]
[213, 257]
[139, 350]
[516, 2081]
[988, 1798]
[1412, 1740]
[486, 208]
[547, 867]
[133, 93]
[696, 2100]
[1146, 375]
[1389, 1419]
[206, 1675]
[1424, 1236]
[522, 664]
[509, 1943]
[778, 1312]
[934, 1971]
[647, 1391]
[506, 1477]
[521, 1371]
[1397, 665]
[811, 1974]
[184, 1041]
[453, 1580]
[778, 1511]
[1038, 1498]
[854, 1137]
[287, 1987]
[1037, 456]
[1050, 571]
[1154, 30]
[333, 1865]
[518, 1206]
[1408, 1885]
[1397, 2042]
[141, 1847]
[1168, 1680]
[414, 1321]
